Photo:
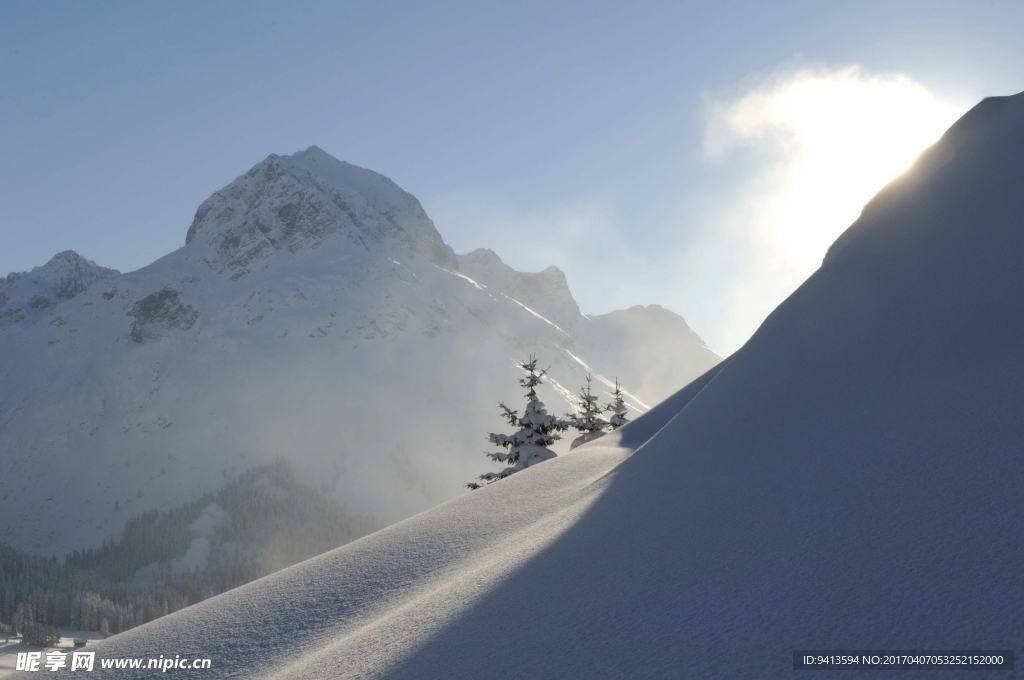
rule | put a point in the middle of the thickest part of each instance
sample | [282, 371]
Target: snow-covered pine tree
[529, 444]
[618, 408]
[23, 618]
[587, 417]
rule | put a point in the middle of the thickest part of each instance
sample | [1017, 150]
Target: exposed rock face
[25, 295]
[160, 310]
[296, 202]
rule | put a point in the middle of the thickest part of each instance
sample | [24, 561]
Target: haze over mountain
[314, 314]
[851, 478]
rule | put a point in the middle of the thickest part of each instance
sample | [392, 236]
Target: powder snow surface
[852, 478]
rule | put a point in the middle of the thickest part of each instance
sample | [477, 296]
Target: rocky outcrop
[162, 310]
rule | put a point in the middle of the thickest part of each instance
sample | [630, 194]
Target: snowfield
[852, 478]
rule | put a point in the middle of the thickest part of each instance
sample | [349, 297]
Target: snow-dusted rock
[25, 296]
[163, 309]
[296, 202]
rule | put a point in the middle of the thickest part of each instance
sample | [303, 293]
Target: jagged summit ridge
[546, 291]
[25, 295]
[291, 203]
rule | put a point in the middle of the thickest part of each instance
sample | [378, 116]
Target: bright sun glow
[834, 138]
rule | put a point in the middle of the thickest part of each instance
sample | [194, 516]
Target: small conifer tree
[587, 417]
[537, 431]
[23, 618]
[617, 408]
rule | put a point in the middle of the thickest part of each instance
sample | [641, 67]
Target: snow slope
[313, 314]
[851, 478]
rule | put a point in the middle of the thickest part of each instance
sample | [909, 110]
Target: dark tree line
[37, 590]
[265, 520]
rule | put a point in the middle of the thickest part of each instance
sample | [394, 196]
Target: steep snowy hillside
[850, 479]
[314, 314]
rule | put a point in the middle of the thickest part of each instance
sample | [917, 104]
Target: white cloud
[822, 142]
[793, 157]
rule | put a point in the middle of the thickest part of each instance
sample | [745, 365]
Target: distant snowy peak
[546, 292]
[25, 296]
[627, 338]
[645, 321]
[291, 203]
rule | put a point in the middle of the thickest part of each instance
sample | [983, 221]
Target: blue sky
[622, 142]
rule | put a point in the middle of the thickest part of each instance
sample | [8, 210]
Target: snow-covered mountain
[314, 314]
[850, 479]
[25, 296]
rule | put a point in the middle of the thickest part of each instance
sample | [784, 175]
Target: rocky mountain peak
[25, 295]
[289, 203]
